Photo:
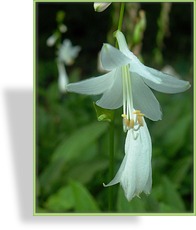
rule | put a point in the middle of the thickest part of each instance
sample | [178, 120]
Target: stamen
[129, 123]
[140, 120]
[139, 117]
[132, 119]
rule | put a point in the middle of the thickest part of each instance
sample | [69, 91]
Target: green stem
[111, 167]
[120, 21]
[111, 130]
[122, 9]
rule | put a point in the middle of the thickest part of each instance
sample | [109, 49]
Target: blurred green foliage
[72, 149]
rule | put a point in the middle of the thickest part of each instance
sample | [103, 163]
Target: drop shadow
[19, 109]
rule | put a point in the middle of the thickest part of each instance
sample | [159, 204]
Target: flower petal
[148, 185]
[135, 173]
[144, 170]
[111, 58]
[168, 83]
[113, 97]
[63, 78]
[144, 100]
[118, 175]
[93, 86]
[137, 170]
[122, 43]
[155, 79]
[67, 53]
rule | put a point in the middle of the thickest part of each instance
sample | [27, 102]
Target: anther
[140, 120]
[139, 116]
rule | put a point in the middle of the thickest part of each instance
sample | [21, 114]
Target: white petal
[153, 78]
[122, 43]
[113, 97]
[135, 65]
[137, 170]
[63, 78]
[93, 86]
[112, 58]
[67, 53]
[168, 83]
[144, 100]
[148, 185]
[118, 175]
[135, 173]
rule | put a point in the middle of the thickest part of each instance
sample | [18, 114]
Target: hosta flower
[135, 172]
[128, 76]
[101, 6]
[67, 53]
[127, 84]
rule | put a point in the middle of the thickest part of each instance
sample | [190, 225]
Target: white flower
[101, 6]
[127, 84]
[135, 172]
[52, 40]
[67, 53]
[62, 78]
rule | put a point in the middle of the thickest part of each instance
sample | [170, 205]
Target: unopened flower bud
[101, 6]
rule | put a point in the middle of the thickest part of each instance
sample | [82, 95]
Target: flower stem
[111, 130]
[111, 163]
[122, 8]
[120, 21]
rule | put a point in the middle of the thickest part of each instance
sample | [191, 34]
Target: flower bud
[101, 6]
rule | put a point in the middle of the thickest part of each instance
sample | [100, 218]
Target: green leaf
[176, 136]
[94, 166]
[61, 201]
[69, 150]
[84, 202]
[170, 196]
[181, 168]
[104, 114]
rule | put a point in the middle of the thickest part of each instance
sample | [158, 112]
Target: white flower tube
[62, 78]
[135, 172]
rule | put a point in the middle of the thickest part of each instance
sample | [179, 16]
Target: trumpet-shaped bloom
[128, 84]
[128, 81]
[67, 53]
[135, 172]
